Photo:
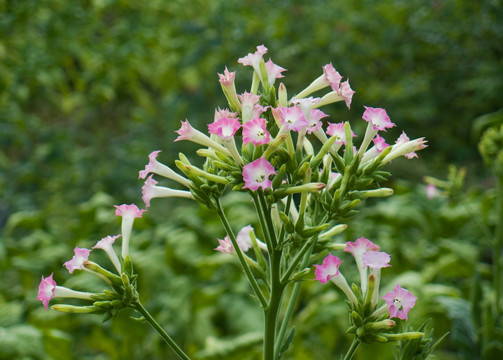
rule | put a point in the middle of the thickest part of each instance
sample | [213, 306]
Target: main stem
[271, 312]
[160, 331]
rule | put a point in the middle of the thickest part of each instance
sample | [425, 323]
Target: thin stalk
[239, 253]
[263, 223]
[352, 349]
[498, 244]
[268, 219]
[138, 306]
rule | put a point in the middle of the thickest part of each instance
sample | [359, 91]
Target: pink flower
[255, 132]
[399, 301]
[248, 102]
[253, 59]
[224, 113]
[227, 79]
[46, 290]
[128, 213]
[314, 122]
[328, 269]
[225, 128]
[375, 259]
[106, 245]
[256, 174]
[338, 130]
[403, 139]
[77, 262]
[187, 132]
[243, 238]
[378, 118]
[332, 77]
[273, 72]
[379, 143]
[360, 246]
[225, 246]
[151, 191]
[431, 191]
[346, 92]
[293, 118]
[257, 111]
[156, 167]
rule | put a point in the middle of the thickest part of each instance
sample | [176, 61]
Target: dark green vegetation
[89, 88]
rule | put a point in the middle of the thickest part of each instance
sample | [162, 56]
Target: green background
[89, 88]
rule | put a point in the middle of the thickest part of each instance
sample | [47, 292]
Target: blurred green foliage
[89, 88]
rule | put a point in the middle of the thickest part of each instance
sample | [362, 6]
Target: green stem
[352, 349]
[239, 253]
[498, 244]
[271, 312]
[138, 306]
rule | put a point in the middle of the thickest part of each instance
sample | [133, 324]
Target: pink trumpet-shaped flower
[224, 113]
[253, 59]
[328, 269]
[403, 139]
[338, 130]
[255, 132]
[105, 244]
[332, 76]
[48, 290]
[225, 245]
[151, 191]
[431, 191]
[227, 79]
[357, 249]
[379, 143]
[256, 174]
[156, 167]
[128, 213]
[314, 122]
[375, 259]
[187, 132]
[399, 301]
[346, 92]
[293, 118]
[243, 238]
[273, 72]
[78, 260]
[378, 118]
[225, 128]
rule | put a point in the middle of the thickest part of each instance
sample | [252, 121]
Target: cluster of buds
[122, 281]
[369, 322]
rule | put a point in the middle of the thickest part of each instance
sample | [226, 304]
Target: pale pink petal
[378, 118]
[338, 130]
[255, 132]
[293, 118]
[78, 260]
[376, 259]
[400, 301]
[256, 174]
[328, 269]
[225, 128]
[46, 290]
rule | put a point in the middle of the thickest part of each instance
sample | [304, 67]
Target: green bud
[301, 275]
[282, 95]
[77, 309]
[380, 325]
[357, 319]
[334, 231]
[403, 336]
[382, 192]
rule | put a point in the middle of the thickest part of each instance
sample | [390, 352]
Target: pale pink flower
[346, 92]
[403, 148]
[227, 79]
[399, 301]
[78, 260]
[243, 238]
[293, 118]
[128, 213]
[256, 174]
[257, 111]
[338, 130]
[255, 132]
[225, 128]
[253, 59]
[225, 246]
[48, 290]
[375, 259]
[248, 102]
[187, 132]
[224, 113]
[151, 191]
[357, 249]
[328, 269]
[378, 118]
[332, 77]
[156, 167]
[379, 143]
[431, 191]
[314, 123]
[273, 72]
[403, 139]
[106, 245]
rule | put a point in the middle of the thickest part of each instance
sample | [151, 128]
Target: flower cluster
[101, 302]
[370, 322]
